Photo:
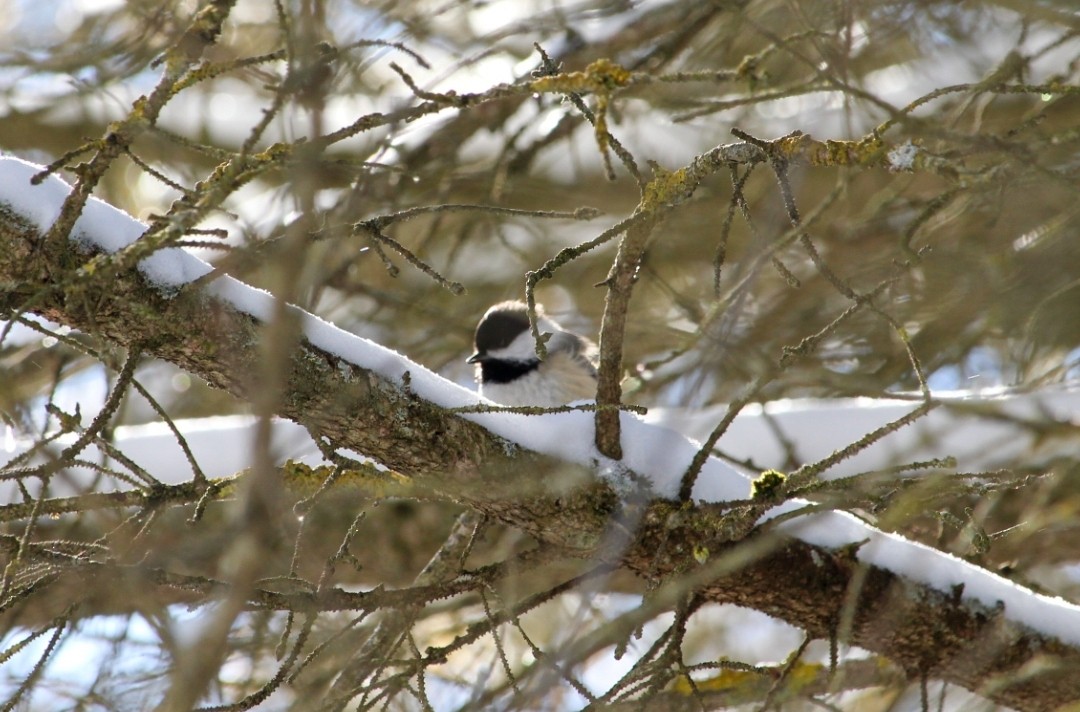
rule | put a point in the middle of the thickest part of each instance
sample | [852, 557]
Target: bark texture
[828, 594]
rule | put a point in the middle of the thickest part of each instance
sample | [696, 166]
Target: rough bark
[825, 593]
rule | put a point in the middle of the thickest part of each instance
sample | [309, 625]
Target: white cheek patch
[523, 348]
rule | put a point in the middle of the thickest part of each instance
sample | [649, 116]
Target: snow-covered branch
[827, 572]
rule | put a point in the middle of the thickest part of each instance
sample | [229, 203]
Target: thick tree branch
[825, 593]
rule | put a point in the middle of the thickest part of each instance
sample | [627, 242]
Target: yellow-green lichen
[305, 480]
[601, 76]
[767, 485]
[668, 187]
[803, 147]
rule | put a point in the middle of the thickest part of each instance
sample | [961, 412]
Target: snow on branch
[359, 395]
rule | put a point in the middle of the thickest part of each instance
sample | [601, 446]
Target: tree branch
[922, 630]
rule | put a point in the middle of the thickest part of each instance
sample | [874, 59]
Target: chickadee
[510, 372]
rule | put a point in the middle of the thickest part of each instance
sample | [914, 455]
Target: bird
[509, 371]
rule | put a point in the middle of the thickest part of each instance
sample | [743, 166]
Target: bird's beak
[477, 357]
